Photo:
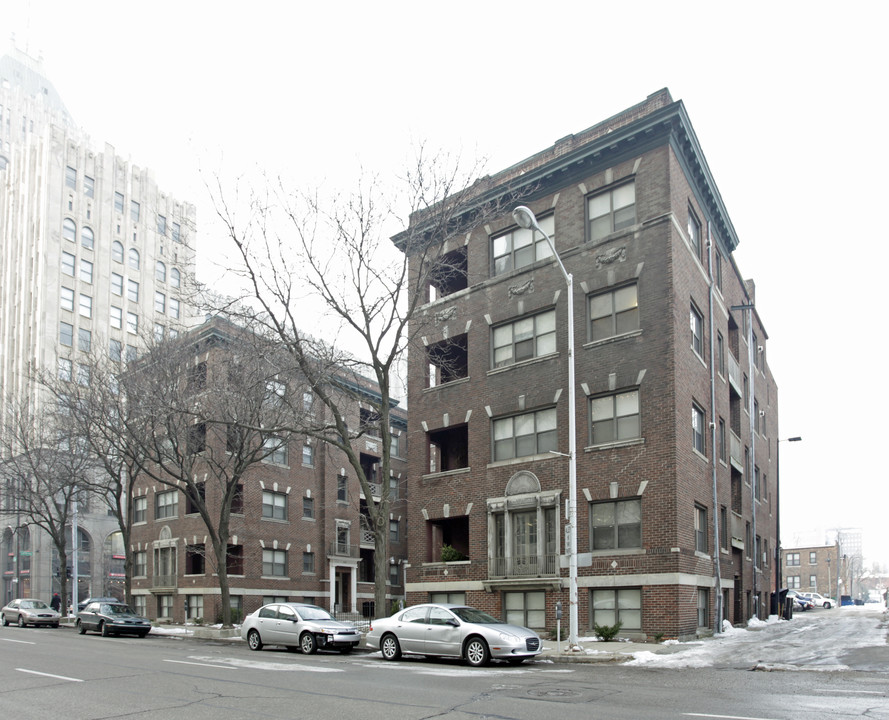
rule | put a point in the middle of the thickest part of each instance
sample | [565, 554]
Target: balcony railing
[163, 581]
[524, 566]
[338, 549]
[734, 373]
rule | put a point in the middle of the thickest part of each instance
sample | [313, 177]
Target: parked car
[800, 603]
[83, 603]
[27, 611]
[446, 630]
[112, 618]
[819, 600]
[298, 625]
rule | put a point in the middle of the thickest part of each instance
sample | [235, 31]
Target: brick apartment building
[677, 410]
[298, 530]
[818, 568]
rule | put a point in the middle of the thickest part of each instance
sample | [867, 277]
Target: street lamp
[778, 506]
[525, 218]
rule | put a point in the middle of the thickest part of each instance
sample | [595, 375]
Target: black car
[110, 618]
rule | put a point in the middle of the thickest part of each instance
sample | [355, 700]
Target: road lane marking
[57, 677]
[184, 662]
[838, 691]
[22, 642]
[726, 717]
[269, 666]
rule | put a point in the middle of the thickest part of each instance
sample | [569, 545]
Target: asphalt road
[47, 673]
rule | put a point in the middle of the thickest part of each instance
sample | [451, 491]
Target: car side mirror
[453, 623]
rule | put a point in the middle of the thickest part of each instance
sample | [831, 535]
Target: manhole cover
[554, 693]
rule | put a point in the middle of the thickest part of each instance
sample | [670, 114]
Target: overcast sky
[787, 100]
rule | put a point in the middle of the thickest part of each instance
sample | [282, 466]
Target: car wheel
[4, 620]
[827, 606]
[80, 628]
[476, 652]
[254, 642]
[307, 643]
[390, 648]
[21, 621]
[103, 628]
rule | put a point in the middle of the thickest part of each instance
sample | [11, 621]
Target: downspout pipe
[717, 570]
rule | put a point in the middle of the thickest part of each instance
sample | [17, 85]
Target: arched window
[160, 272]
[174, 277]
[134, 258]
[86, 238]
[117, 251]
[69, 230]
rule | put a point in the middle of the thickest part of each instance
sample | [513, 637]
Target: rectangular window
[274, 505]
[524, 339]
[521, 247]
[394, 533]
[274, 562]
[140, 563]
[86, 306]
[166, 504]
[195, 559]
[66, 299]
[611, 211]
[703, 607]
[83, 374]
[132, 323]
[194, 607]
[701, 544]
[694, 231]
[115, 350]
[174, 308]
[308, 508]
[160, 302]
[342, 488]
[118, 202]
[309, 563]
[620, 605]
[89, 186]
[71, 177]
[65, 369]
[159, 332]
[792, 559]
[613, 313]
[140, 509]
[134, 211]
[308, 455]
[615, 418]
[813, 558]
[697, 331]
[524, 435]
[161, 225]
[84, 340]
[116, 284]
[276, 449]
[68, 264]
[525, 608]
[616, 525]
[720, 353]
[86, 271]
[697, 427]
[721, 440]
[132, 291]
[175, 232]
[793, 582]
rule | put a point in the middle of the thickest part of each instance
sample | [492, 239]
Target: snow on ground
[815, 640]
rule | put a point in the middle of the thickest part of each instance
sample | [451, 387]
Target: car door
[90, 618]
[443, 633]
[288, 625]
[267, 624]
[12, 612]
[411, 629]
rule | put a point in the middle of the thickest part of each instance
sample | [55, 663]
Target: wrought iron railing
[524, 566]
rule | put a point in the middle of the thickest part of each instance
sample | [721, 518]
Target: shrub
[449, 554]
[607, 632]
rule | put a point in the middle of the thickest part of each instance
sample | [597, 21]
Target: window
[133, 258]
[611, 211]
[116, 317]
[87, 239]
[197, 377]
[525, 608]
[86, 306]
[160, 271]
[614, 312]
[140, 509]
[616, 525]
[274, 505]
[615, 418]
[694, 231]
[697, 427]
[134, 211]
[117, 251]
[116, 284]
[721, 440]
[701, 544]
[703, 607]
[86, 271]
[118, 202]
[71, 177]
[140, 563]
[342, 488]
[309, 508]
[115, 350]
[195, 559]
[720, 353]
[523, 435]
[68, 264]
[697, 331]
[521, 247]
[276, 449]
[523, 339]
[175, 232]
[161, 225]
[174, 308]
[525, 542]
[132, 323]
[275, 392]
[66, 299]
[159, 332]
[66, 334]
[793, 582]
[308, 455]
[274, 562]
[309, 563]
[723, 527]
[238, 500]
[132, 291]
[196, 440]
[166, 504]
[175, 277]
[813, 558]
[160, 302]
[89, 186]
[69, 230]
[620, 605]
[65, 369]
[83, 374]
[792, 559]
[394, 534]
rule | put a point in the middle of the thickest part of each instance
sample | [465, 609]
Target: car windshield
[468, 614]
[117, 610]
[314, 613]
[35, 604]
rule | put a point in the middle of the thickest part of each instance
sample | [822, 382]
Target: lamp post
[778, 507]
[525, 218]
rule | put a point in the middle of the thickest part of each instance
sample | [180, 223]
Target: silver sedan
[446, 630]
[25, 611]
[298, 625]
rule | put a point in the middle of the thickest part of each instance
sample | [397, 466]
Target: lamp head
[524, 217]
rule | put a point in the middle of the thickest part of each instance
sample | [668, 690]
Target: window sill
[445, 473]
[283, 521]
[613, 339]
[523, 460]
[621, 551]
[441, 563]
[522, 363]
[613, 445]
[458, 381]
[274, 577]
[702, 555]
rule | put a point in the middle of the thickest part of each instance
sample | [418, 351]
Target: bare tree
[44, 471]
[301, 255]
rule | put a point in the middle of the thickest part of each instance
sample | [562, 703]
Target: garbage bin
[786, 604]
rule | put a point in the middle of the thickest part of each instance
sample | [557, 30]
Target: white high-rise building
[93, 255]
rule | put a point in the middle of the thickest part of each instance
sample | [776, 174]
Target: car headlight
[507, 638]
